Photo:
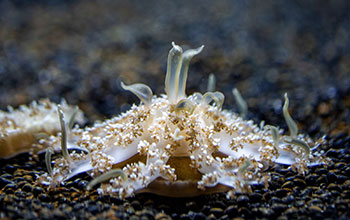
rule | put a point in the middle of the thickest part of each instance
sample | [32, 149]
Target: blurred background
[81, 50]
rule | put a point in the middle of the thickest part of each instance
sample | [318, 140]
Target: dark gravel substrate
[81, 50]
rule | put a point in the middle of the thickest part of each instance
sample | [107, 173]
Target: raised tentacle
[142, 91]
[186, 58]
[63, 135]
[292, 126]
[173, 71]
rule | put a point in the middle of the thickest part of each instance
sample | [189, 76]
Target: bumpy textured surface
[177, 137]
[21, 129]
[82, 50]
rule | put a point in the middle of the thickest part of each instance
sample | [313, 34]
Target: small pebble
[231, 211]
[242, 200]
[255, 197]
[299, 182]
[288, 185]
[217, 212]
[196, 215]
[315, 209]
[27, 188]
[279, 207]
[44, 197]
[4, 182]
